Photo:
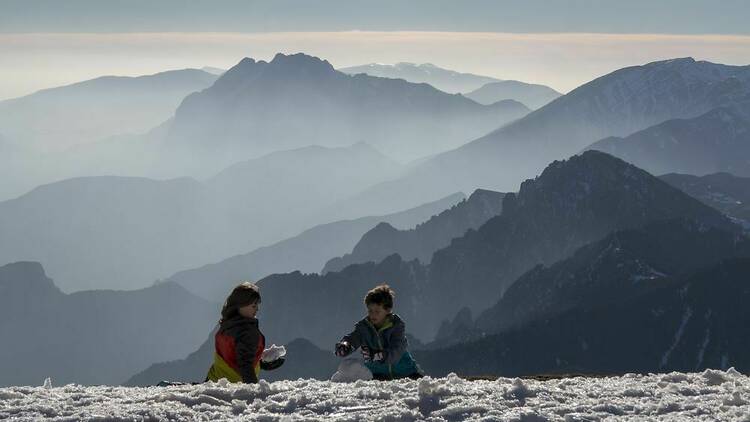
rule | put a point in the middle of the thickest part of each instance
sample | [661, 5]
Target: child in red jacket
[239, 342]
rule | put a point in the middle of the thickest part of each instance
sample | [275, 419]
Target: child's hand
[369, 356]
[342, 349]
[270, 366]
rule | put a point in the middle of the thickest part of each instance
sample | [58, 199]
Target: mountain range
[725, 192]
[594, 264]
[306, 252]
[617, 104]
[150, 127]
[423, 240]
[443, 79]
[572, 203]
[88, 232]
[625, 264]
[686, 324]
[58, 118]
[618, 230]
[717, 141]
[93, 337]
[482, 89]
[258, 107]
[591, 235]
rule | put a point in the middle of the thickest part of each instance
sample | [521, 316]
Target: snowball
[351, 370]
[272, 353]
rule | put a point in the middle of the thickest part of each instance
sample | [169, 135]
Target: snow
[702, 350]
[350, 370]
[708, 395]
[273, 353]
[677, 336]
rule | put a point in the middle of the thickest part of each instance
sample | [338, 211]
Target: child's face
[376, 313]
[249, 311]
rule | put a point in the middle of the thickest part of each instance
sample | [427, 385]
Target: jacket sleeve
[246, 347]
[354, 338]
[397, 345]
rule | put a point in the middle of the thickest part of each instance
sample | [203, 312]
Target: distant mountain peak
[25, 276]
[478, 193]
[602, 187]
[447, 80]
[303, 61]
[584, 166]
[677, 61]
[401, 65]
[246, 61]
[30, 269]
[283, 68]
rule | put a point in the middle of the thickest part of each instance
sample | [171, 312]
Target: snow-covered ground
[710, 395]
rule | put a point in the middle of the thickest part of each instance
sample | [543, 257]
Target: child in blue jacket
[381, 337]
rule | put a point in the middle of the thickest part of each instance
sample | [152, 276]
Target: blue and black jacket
[390, 339]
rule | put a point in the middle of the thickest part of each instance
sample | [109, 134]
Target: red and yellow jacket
[239, 346]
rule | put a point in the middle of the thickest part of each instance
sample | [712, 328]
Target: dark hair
[244, 294]
[382, 295]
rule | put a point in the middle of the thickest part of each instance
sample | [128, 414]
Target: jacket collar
[391, 320]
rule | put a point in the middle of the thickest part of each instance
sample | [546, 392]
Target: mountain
[728, 193]
[422, 241]
[92, 110]
[717, 141]
[303, 360]
[258, 107]
[306, 252]
[689, 324]
[532, 95]
[623, 265]
[92, 337]
[442, 79]
[617, 104]
[90, 231]
[572, 203]
[213, 70]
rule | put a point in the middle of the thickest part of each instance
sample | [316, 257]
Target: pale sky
[29, 62]
[516, 16]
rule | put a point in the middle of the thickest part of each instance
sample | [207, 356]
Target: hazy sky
[609, 16]
[562, 43]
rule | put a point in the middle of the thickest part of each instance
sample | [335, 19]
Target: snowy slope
[710, 395]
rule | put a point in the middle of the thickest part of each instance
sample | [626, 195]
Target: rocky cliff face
[422, 241]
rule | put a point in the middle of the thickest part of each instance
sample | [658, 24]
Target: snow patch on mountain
[677, 336]
[709, 395]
